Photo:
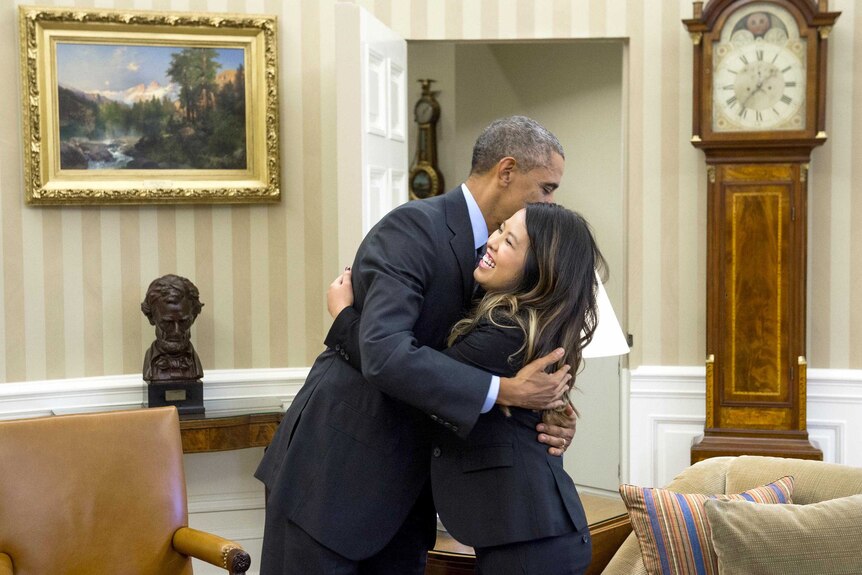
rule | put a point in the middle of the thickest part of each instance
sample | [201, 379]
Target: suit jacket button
[434, 417]
[337, 347]
[454, 428]
[436, 452]
[347, 356]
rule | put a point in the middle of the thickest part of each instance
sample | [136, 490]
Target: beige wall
[72, 278]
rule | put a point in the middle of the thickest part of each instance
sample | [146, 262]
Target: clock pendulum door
[756, 312]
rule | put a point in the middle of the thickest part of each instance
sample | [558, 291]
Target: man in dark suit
[348, 469]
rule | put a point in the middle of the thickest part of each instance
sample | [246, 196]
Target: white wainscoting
[666, 413]
[663, 413]
[224, 497]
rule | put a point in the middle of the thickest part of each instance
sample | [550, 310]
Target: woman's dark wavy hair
[555, 301]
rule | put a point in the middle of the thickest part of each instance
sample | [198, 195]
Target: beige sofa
[815, 481]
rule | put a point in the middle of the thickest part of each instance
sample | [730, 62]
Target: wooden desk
[221, 433]
[609, 527]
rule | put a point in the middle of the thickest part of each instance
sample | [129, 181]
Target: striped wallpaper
[72, 278]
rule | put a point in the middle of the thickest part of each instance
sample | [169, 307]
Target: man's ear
[505, 167]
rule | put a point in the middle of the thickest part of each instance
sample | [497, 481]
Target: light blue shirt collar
[477, 220]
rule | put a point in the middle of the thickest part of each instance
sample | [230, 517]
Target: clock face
[424, 112]
[759, 72]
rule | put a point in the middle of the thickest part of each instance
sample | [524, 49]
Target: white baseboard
[582, 489]
[667, 412]
[219, 502]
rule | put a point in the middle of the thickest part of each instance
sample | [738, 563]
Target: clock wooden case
[759, 110]
[425, 178]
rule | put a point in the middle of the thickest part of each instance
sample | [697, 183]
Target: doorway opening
[576, 88]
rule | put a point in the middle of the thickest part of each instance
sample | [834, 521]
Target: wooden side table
[609, 527]
[221, 433]
[607, 537]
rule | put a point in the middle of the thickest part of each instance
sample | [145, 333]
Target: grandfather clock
[425, 179]
[759, 110]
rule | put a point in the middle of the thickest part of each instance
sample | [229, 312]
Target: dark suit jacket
[500, 485]
[352, 454]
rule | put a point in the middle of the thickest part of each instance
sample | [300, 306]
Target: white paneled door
[371, 68]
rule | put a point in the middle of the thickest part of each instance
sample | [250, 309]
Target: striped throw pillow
[672, 529]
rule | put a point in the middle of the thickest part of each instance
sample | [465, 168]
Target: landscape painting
[150, 107]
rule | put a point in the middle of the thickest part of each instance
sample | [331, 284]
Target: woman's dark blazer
[500, 485]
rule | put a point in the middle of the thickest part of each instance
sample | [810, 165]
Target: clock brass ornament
[425, 178]
[759, 110]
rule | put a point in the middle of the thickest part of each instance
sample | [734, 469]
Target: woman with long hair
[499, 490]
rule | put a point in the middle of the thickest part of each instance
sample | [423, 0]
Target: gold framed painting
[124, 107]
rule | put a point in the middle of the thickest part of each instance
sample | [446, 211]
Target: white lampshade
[608, 339]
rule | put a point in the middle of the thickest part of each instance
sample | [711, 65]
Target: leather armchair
[99, 494]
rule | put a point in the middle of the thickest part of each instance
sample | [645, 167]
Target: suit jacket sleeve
[392, 269]
[492, 347]
[343, 337]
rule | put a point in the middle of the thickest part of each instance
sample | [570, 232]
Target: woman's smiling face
[502, 266]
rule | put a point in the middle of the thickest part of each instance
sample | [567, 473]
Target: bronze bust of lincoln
[172, 303]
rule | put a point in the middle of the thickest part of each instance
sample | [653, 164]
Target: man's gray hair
[520, 137]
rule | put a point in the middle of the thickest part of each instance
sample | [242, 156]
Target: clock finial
[426, 85]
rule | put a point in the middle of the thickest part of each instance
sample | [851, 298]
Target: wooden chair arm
[5, 564]
[212, 549]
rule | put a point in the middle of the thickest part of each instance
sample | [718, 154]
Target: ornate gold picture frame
[125, 107]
